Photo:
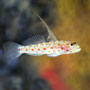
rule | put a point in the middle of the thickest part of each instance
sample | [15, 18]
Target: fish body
[40, 45]
[47, 48]
[51, 49]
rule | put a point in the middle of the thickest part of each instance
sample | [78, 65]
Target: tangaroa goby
[39, 45]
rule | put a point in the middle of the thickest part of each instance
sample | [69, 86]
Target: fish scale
[43, 48]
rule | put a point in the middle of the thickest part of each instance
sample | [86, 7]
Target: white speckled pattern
[51, 49]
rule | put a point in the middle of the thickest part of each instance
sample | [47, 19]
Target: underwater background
[69, 20]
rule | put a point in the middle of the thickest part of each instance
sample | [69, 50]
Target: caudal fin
[10, 50]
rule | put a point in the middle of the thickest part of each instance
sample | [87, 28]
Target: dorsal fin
[51, 36]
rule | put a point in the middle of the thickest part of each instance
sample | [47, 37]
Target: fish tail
[10, 50]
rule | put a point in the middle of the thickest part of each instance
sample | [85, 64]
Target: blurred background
[70, 21]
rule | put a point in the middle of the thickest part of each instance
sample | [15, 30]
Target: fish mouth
[77, 50]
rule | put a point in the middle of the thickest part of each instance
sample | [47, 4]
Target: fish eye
[73, 43]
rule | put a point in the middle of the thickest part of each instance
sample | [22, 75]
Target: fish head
[69, 47]
[75, 47]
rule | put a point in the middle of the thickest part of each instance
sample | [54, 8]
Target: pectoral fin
[34, 40]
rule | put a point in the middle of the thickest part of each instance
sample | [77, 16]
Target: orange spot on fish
[59, 44]
[19, 49]
[38, 49]
[62, 47]
[44, 48]
[26, 49]
[51, 47]
[67, 50]
[32, 49]
[66, 46]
